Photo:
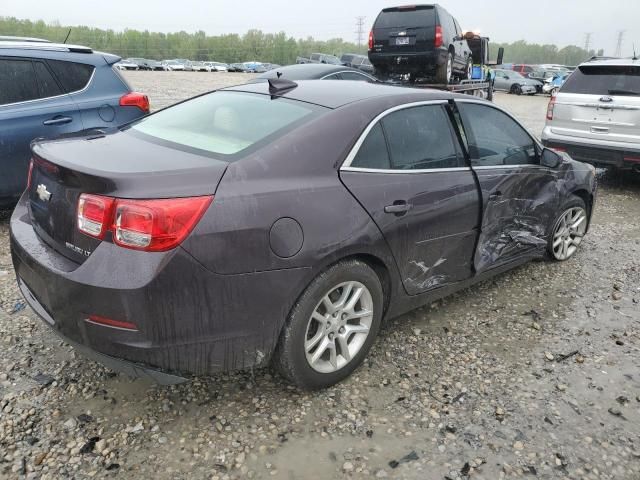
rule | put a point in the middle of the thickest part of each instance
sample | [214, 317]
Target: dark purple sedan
[282, 223]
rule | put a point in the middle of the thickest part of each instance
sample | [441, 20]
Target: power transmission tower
[360, 30]
[619, 44]
[587, 40]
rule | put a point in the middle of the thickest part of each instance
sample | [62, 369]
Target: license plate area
[402, 41]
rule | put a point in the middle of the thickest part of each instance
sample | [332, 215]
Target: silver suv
[595, 117]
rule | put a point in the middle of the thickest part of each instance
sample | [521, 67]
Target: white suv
[595, 117]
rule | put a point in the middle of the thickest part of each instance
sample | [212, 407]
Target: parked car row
[548, 77]
[183, 64]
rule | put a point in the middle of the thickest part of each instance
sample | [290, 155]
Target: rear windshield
[225, 123]
[604, 80]
[406, 18]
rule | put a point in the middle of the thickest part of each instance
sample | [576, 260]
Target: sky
[562, 22]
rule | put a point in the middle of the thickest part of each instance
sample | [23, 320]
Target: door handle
[58, 121]
[495, 196]
[399, 208]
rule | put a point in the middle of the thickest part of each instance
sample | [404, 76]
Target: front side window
[17, 81]
[225, 123]
[494, 138]
[415, 138]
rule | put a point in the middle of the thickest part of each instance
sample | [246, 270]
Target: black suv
[420, 40]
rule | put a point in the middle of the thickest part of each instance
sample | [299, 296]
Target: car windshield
[224, 123]
[604, 80]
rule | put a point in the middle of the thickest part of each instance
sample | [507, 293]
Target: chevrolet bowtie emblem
[43, 193]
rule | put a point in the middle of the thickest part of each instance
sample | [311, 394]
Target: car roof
[307, 71]
[337, 94]
[620, 62]
[47, 46]
[6, 38]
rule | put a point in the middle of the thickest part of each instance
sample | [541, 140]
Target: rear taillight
[135, 99]
[29, 174]
[371, 40]
[150, 225]
[438, 40]
[94, 214]
[550, 107]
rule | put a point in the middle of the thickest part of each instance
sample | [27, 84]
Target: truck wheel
[469, 69]
[444, 71]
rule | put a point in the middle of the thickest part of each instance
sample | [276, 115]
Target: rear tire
[445, 71]
[323, 343]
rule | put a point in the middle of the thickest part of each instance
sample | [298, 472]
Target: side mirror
[550, 158]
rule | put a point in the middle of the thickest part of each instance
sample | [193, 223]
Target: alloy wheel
[449, 68]
[569, 232]
[338, 327]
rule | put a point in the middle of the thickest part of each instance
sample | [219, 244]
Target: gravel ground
[534, 374]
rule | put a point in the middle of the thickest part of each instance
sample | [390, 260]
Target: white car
[217, 66]
[172, 65]
[595, 115]
[126, 65]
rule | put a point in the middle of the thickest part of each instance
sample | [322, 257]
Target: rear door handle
[495, 196]
[399, 207]
[58, 121]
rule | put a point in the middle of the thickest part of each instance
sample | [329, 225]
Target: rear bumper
[593, 151]
[188, 319]
[408, 62]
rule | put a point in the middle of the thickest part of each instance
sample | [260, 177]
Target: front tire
[331, 327]
[516, 89]
[469, 69]
[568, 229]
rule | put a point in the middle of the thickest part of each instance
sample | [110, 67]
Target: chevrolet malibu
[282, 222]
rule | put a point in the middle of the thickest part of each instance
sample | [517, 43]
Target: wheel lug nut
[342, 330]
[331, 336]
[344, 316]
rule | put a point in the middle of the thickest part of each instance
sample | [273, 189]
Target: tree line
[253, 45]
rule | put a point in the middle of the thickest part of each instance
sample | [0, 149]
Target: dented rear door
[410, 175]
[520, 198]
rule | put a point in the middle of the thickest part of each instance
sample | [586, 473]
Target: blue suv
[51, 90]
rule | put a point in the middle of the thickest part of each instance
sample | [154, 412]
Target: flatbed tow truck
[481, 83]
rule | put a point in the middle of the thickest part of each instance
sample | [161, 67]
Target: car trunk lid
[118, 165]
[405, 29]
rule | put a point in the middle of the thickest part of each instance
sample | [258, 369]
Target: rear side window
[48, 86]
[604, 80]
[354, 76]
[17, 81]
[71, 75]
[226, 123]
[421, 138]
[411, 17]
[373, 152]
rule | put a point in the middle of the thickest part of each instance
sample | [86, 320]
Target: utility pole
[360, 30]
[619, 44]
[587, 40]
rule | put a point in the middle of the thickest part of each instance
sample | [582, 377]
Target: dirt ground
[534, 374]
